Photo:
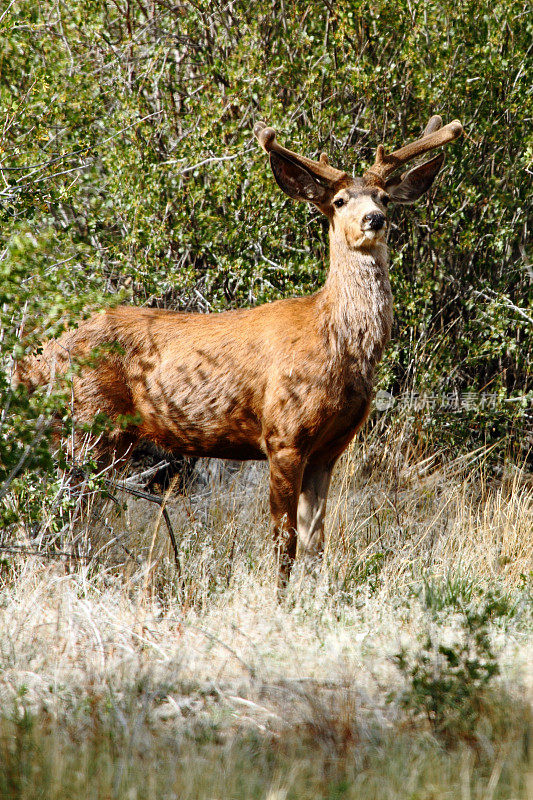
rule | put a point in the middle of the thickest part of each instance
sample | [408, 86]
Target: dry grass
[126, 647]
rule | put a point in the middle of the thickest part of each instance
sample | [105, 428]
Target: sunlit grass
[119, 678]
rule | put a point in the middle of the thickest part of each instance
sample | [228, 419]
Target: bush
[130, 172]
[451, 685]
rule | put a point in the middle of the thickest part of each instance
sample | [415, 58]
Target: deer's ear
[296, 181]
[415, 182]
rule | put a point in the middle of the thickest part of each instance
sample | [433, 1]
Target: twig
[212, 638]
[212, 160]
[37, 167]
[160, 501]
[26, 551]
[506, 302]
[12, 3]
[41, 430]
[133, 480]
[253, 706]
[163, 508]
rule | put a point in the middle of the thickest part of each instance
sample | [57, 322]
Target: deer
[290, 381]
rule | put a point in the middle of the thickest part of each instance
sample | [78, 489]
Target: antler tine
[434, 124]
[320, 169]
[434, 136]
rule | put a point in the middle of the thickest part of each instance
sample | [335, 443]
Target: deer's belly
[201, 421]
[229, 419]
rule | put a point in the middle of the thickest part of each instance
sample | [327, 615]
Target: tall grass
[143, 683]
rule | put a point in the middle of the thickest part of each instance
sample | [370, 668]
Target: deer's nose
[373, 221]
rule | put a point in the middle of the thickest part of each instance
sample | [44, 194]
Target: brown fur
[289, 381]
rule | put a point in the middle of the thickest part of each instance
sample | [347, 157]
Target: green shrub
[452, 684]
[128, 161]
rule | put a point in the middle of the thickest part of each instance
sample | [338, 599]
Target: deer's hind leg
[312, 507]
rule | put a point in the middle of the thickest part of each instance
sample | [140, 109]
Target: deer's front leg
[286, 470]
[312, 508]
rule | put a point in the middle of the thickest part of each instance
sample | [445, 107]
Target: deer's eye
[339, 202]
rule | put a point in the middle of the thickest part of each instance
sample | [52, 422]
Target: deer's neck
[358, 306]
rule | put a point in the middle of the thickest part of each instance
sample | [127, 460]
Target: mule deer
[288, 381]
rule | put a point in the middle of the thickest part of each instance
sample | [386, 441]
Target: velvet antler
[321, 170]
[434, 136]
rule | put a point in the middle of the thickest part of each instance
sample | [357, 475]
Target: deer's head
[357, 207]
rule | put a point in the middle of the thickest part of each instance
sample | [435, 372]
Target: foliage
[459, 591]
[449, 682]
[130, 171]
